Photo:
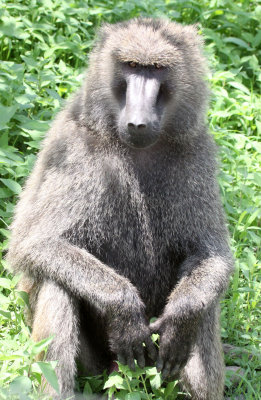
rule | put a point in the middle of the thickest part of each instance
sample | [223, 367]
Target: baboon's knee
[203, 376]
[56, 315]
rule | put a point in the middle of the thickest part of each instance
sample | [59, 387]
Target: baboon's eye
[158, 66]
[132, 64]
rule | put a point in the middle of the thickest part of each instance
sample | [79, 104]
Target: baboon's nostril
[136, 126]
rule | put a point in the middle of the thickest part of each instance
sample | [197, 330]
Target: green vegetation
[43, 48]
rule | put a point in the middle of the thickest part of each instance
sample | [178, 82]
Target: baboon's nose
[136, 126]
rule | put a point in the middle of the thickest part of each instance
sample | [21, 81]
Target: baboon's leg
[56, 314]
[203, 376]
[94, 355]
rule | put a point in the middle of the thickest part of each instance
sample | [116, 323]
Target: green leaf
[11, 153]
[151, 371]
[155, 337]
[239, 86]
[257, 178]
[114, 380]
[50, 375]
[11, 27]
[4, 299]
[5, 193]
[258, 127]
[6, 162]
[42, 345]
[5, 283]
[9, 358]
[12, 185]
[111, 391]
[87, 388]
[133, 396]
[21, 384]
[5, 314]
[30, 61]
[171, 390]
[5, 233]
[237, 41]
[155, 381]
[41, 126]
[24, 296]
[4, 140]
[6, 113]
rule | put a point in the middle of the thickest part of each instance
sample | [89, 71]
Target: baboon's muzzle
[140, 118]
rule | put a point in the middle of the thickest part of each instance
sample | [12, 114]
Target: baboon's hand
[176, 339]
[128, 330]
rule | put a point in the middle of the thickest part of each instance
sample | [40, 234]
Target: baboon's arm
[85, 276]
[72, 267]
[201, 282]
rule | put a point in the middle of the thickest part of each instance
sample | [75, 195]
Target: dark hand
[128, 330]
[176, 339]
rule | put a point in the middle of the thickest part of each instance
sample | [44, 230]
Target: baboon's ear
[193, 34]
[188, 34]
[103, 33]
[104, 30]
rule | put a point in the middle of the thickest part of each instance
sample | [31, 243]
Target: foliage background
[43, 49]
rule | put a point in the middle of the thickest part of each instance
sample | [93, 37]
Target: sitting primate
[121, 219]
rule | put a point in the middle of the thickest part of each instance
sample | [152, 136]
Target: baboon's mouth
[139, 141]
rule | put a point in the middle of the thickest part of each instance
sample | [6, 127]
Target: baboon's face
[147, 81]
[142, 95]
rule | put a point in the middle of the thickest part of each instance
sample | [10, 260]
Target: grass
[43, 48]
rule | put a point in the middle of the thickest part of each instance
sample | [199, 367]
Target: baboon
[121, 219]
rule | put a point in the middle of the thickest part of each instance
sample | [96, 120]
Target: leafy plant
[43, 50]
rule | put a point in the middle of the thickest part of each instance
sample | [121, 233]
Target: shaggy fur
[108, 236]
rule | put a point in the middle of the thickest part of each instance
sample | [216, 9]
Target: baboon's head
[146, 80]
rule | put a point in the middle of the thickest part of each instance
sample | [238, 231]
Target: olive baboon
[121, 218]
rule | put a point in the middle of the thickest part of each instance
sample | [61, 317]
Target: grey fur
[109, 236]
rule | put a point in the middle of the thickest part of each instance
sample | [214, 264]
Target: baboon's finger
[139, 355]
[121, 358]
[159, 364]
[166, 370]
[130, 361]
[155, 326]
[175, 370]
[151, 349]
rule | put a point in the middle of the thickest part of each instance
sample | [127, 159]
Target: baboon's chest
[132, 224]
[133, 236]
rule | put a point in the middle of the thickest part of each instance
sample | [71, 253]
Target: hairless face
[152, 84]
[142, 97]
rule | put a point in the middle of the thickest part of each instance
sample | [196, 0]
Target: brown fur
[111, 236]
